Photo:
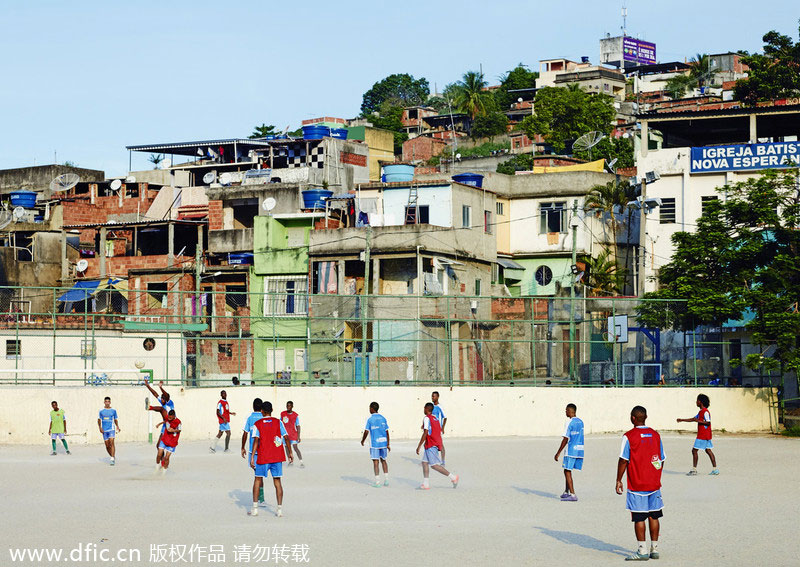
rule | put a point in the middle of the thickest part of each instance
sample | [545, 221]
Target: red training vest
[434, 438]
[171, 439]
[226, 414]
[704, 431]
[270, 442]
[645, 465]
[290, 423]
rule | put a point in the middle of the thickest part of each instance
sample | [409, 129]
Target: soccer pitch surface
[505, 511]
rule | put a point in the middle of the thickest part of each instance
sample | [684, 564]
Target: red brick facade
[215, 215]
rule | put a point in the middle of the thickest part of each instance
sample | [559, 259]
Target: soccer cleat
[252, 512]
[212, 449]
[385, 483]
[291, 463]
[455, 481]
[570, 498]
[279, 513]
[715, 472]
[227, 451]
[564, 495]
[638, 557]
[423, 487]
[112, 461]
[302, 466]
[52, 454]
[68, 453]
[692, 472]
[654, 555]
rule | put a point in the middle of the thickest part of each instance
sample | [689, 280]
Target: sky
[81, 80]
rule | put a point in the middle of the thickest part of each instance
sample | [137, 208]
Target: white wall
[439, 200]
[336, 413]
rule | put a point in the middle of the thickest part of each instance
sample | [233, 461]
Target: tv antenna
[64, 182]
[624, 19]
[587, 141]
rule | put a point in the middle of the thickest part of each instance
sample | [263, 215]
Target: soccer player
[439, 413]
[163, 399]
[247, 449]
[642, 457]
[432, 439]
[269, 455]
[105, 423]
[378, 431]
[703, 441]
[291, 421]
[573, 458]
[168, 441]
[224, 414]
[58, 427]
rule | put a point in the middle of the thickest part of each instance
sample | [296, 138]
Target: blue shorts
[644, 501]
[167, 449]
[276, 469]
[572, 463]
[293, 441]
[376, 454]
[703, 444]
[225, 426]
[432, 457]
[108, 435]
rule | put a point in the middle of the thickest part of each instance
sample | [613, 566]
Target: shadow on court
[242, 498]
[537, 493]
[584, 541]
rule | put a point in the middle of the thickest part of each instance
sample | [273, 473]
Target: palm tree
[605, 276]
[699, 74]
[470, 96]
[156, 159]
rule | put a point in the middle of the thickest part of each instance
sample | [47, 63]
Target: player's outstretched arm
[149, 387]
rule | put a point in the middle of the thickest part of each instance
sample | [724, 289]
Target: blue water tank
[340, 133]
[315, 198]
[474, 179]
[398, 172]
[25, 199]
[315, 132]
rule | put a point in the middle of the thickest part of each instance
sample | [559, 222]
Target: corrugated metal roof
[134, 223]
[198, 143]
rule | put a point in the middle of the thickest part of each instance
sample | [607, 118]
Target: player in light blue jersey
[438, 413]
[106, 422]
[247, 449]
[378, 431]
[573, 457]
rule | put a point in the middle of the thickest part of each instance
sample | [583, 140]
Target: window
[235, 296]
[411, 214]
[276, 360]
[553, 218]
[88, 349]
[667, 210]
[500, 209]
[466, 216]
[704, 201]
[487, 222]
[158, 294]
[285, 295]
[477, 287]
[224, 351]
[543, 275]
[300, 359]
[13, 349]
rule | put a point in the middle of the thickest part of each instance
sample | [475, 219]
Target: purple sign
[642, 52]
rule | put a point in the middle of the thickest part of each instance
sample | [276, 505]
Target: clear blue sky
[87, 78]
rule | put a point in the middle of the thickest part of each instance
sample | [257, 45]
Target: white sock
[451, 476]
[386, 476]
[426, 482]
[642, 547]
[377, 479]
[653, 546]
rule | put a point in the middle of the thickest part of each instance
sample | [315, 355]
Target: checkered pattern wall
[297, 155]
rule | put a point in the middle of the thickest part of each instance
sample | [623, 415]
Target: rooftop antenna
[624, 20]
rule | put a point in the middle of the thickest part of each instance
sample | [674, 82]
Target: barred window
[704, 201]
[667, 210]
[285, 295]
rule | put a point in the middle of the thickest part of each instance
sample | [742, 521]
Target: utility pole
[365, 294]
[642, 231]
[574, 224]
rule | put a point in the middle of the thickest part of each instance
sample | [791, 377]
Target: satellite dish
[82, 265]
[18, 213]
[209, 178]
[130, 179]
[586, 142]
[226, 178]
[64, 182]
[458, 156]
[269, 204]
[611, 164]
[5, 219]
[115, 185]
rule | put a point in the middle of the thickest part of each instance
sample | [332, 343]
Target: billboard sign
[638, 51]
[741, 157]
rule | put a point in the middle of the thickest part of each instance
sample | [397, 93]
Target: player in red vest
[703, 441]
[432, 439]
[169, 438]
[268, 455]
[642, 457]
[291, 421]
[224, 414]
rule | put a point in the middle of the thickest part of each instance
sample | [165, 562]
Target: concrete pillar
[102, 251]
[200, 243]
[64, 263]
[753, 129]
[645, 143]
[170, 245]
[418, 282]
[376, 276]
[340, 276]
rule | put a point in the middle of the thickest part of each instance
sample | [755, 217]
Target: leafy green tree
[744, 255]
[437, 102]
[489, 125]
[609, 149]
[402, 89]
[263, 131]
[471, 96]
[519, 162]
[699, 75]
[773, 74]
[604, 275]
[390, 118]
[564, 113]
[155, 159]
[517, 78]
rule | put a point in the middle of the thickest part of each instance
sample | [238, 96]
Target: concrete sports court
[505, 511]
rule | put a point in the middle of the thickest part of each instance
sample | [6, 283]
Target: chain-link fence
[106, 333]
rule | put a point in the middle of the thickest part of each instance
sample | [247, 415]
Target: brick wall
[215, 215]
